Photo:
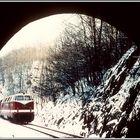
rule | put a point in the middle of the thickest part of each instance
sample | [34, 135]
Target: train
[17, 108]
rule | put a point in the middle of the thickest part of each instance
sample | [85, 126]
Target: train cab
[18, 107]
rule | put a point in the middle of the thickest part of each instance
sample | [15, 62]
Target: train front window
[19, 98]
[28, 98]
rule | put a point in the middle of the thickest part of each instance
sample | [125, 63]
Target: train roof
[20, 93]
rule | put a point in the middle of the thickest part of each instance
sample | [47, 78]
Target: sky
[42, 31]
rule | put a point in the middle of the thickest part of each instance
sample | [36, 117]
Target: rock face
[116, 107]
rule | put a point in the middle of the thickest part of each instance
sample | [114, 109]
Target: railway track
[51, 132]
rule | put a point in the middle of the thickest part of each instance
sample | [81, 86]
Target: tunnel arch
[122, 15]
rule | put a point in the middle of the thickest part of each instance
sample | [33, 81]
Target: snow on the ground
[11, 130]
[61, 117]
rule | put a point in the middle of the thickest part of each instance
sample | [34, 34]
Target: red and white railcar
[18, 107]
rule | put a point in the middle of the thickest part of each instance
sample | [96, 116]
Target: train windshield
[19, 98]
[28, 97]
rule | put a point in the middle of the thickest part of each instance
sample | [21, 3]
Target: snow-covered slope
[113, 112]
[117, 100]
